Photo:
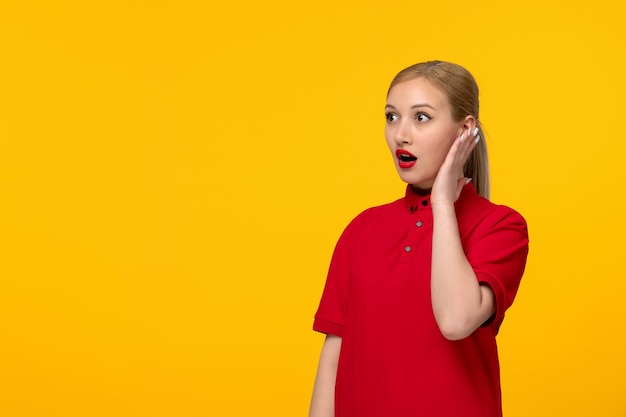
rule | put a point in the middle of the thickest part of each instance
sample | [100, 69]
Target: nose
[402, 135]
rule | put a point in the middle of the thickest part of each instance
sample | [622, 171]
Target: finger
[465, 145]
[462, 147]
[461, 182]
[455, 150]
[457, 154]
[469, 145]
[460, 152]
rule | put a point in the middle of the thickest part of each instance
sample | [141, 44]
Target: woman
[417, 289]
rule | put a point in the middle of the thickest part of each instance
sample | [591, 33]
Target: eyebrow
[415, 106]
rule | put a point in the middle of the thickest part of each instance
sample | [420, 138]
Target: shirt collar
[414, 201]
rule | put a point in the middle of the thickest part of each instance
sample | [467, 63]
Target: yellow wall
[174, 176]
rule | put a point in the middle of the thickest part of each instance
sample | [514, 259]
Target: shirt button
[418, 224]
[425, 203]
[407, 249]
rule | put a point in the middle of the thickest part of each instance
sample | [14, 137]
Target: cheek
[448, 140]
[441, 151]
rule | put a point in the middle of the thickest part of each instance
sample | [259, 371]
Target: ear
[468, 123]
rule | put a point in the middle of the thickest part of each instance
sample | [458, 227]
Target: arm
[323, 401]
[460, 303]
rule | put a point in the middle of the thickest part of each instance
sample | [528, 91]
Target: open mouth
[405, 158]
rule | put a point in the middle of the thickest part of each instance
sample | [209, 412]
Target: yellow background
[174, 176]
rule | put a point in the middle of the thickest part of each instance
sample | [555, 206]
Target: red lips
[405, 158]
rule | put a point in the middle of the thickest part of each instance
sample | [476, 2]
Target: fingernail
[462, 137]
[477, 139]
[469, 132]
[475, 131]
[467, 181]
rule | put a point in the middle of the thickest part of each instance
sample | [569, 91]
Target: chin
[416, 181]
[409, 178]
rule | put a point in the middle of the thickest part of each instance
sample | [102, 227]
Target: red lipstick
[405, 158]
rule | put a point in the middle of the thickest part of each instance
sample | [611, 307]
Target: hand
[449, 182]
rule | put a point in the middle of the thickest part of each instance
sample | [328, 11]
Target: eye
[391, 117]
[422, 117]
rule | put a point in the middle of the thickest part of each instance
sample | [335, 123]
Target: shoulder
[374, 219]
[478, 213]
[377, 214]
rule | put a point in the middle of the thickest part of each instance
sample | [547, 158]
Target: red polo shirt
[394, 360]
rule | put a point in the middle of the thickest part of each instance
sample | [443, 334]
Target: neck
[420, 191]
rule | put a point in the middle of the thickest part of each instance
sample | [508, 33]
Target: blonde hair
[462, 91]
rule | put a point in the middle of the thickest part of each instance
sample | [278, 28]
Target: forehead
[417, 91]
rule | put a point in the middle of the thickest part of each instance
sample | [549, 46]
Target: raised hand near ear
[450, 180]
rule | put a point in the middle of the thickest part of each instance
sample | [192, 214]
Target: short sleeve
[498, 256]
[331, 313]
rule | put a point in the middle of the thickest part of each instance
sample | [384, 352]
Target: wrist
[443, 208]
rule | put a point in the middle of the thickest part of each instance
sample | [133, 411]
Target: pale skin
[419, 120]
[460, 303]
[323, 400]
